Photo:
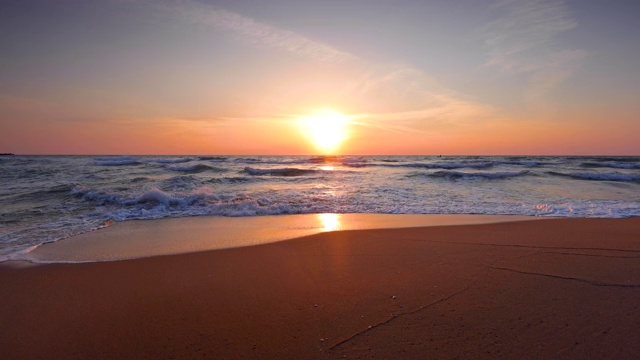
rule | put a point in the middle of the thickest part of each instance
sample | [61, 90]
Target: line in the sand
[411, 312]
[568, 278]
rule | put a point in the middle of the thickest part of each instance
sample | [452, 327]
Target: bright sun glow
[330, 222]
[327, 129]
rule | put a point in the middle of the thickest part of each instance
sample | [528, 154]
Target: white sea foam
[615, 176]
[612, 164]
[461, 175]
[170, 160]
[280, 171]
[195, 168]
[47, 198]
[116, 161]
[442, 165]
[160, 197]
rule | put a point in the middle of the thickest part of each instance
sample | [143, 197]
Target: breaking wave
[119, 161]
[155, 203]
[443, 165]
[44, 198]
[611, 164]
[457, 175]
[615, 176]
[279, 171]
[212, 158]
[170, 161]
[194, 169]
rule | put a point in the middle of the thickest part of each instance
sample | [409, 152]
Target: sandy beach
[278, 179]
[559, 288]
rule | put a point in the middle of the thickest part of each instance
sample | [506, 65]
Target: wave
[58, 189]
[54, 192]
[185, 182]
[442, 165]
[151, 197]
[212, 158]
[247, 160]
[279, 171]
[179, 182]
[46, 198]
[615, 176]
[356, 164]
[155, 203]
[231, 180]
[611, 164]
[95, 196]
[528, 163]
[170, 161]
[156, 196]
[614, 158]
[120, 161]
[452, 165]
[109, 158]
[457, 175]
[194, 169]
[325, 159]
[332, 159]
[270, 161]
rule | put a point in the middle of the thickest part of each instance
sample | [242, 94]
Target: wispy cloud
[524, 39]
[415, 88]
[257, 32]
[443, 108]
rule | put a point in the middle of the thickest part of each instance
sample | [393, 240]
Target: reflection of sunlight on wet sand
[330, 222]
[334, 263]
[143, 238]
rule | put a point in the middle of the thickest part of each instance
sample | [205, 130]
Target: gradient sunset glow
[309, 77]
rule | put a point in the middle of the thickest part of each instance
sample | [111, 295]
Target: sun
[327, 129]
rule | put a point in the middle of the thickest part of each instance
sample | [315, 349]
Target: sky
[423, 77]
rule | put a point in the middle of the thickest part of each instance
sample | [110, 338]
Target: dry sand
[557, 289]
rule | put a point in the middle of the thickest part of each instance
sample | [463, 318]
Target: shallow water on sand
[145, 238]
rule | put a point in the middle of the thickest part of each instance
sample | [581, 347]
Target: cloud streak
[258, 32]
[524, 40]
[415, 88]
[438, 115]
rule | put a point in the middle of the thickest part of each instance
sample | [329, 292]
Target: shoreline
[561, 288]
[136, 239]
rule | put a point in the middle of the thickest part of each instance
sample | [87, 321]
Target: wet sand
[144, 238]
[561, 288]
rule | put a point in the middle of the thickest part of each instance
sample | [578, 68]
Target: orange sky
[210, 77]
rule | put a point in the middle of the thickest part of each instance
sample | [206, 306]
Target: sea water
[47, 198]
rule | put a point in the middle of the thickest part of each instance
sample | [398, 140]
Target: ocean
[47, 198]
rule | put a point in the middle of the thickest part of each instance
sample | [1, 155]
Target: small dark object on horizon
[7, 154]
